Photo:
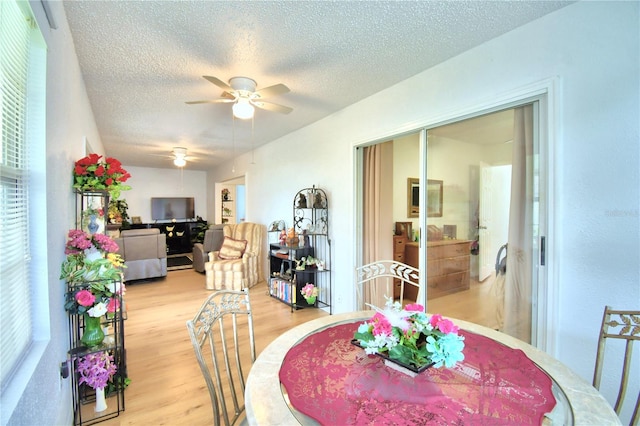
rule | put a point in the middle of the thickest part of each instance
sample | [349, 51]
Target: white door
[486, 261]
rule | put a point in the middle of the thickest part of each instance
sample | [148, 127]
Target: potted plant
[309, 292]
[89, 173]
[96, 370]
[118, 213]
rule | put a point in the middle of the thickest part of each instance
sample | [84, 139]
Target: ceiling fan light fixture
[180, 155]
[243, 109]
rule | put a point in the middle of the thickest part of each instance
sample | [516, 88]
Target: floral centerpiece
[225, 194]
[89, 173]
[309, 292]
[410, 337]
[96, 370]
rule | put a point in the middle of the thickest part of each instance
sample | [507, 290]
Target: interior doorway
[230, 201]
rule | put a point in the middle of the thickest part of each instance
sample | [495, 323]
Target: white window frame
[36, 273]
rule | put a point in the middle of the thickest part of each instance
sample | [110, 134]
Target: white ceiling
[141, 60]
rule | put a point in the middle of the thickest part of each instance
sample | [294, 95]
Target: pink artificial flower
[78, 242]
[85, 298]
[414, 307]
[105, 243]
[113, 305]
[435, 319]
[381, 326]
[444, 325]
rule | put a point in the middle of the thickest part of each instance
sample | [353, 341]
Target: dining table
[314, 374]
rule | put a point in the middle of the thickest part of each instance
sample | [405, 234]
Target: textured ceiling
[141, 60]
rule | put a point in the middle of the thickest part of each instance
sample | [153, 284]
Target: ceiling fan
[241, 91]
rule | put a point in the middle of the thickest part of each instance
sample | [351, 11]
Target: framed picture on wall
[434, 197]
[413, 197]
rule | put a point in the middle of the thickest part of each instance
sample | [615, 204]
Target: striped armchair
[246, 271]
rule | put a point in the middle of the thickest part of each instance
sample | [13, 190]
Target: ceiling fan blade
[230, 95]
[221, 84]
[211, 101]
[278, 89]
[272, 107]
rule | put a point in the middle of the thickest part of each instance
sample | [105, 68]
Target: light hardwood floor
[167, 386]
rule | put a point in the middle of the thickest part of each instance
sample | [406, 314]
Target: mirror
[413, 197]
[434, 197]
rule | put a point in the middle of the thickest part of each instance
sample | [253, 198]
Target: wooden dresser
[448, 264]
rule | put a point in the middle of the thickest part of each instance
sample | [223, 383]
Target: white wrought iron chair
[223, 341]
[623, 325]
[387, 278]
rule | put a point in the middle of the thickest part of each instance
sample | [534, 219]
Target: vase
[93, 225]
[101, 401]
[399, 367]
[394, 364]
[93, 334]
[310, 300]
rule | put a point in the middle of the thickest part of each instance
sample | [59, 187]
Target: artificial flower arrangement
[96, 369]
[309, 292]
[411, 337]
[92, 259]
[89, 173]
[118, 212]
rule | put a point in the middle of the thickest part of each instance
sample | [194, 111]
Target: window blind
[15, 285]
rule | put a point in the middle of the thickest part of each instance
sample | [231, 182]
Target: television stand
[179, 234]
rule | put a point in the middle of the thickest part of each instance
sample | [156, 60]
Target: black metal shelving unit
[83, 396]
[311, 224]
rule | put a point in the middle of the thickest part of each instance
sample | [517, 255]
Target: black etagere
[83, 396]
[288, 273]
[91, 216]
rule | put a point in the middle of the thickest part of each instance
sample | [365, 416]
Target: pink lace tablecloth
[336, 383]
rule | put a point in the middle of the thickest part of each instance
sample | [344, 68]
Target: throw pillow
[232, 249]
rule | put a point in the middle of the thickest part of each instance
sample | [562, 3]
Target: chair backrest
[213, 238]
[223, 341]
[387, 278]
[620, 325]
[255, 234]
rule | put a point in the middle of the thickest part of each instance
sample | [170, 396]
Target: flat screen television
[172, 208]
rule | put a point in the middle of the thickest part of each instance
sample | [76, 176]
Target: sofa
[213, 237]
[144, 252]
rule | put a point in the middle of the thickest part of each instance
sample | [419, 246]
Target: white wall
[589, 50]
[147, 182]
